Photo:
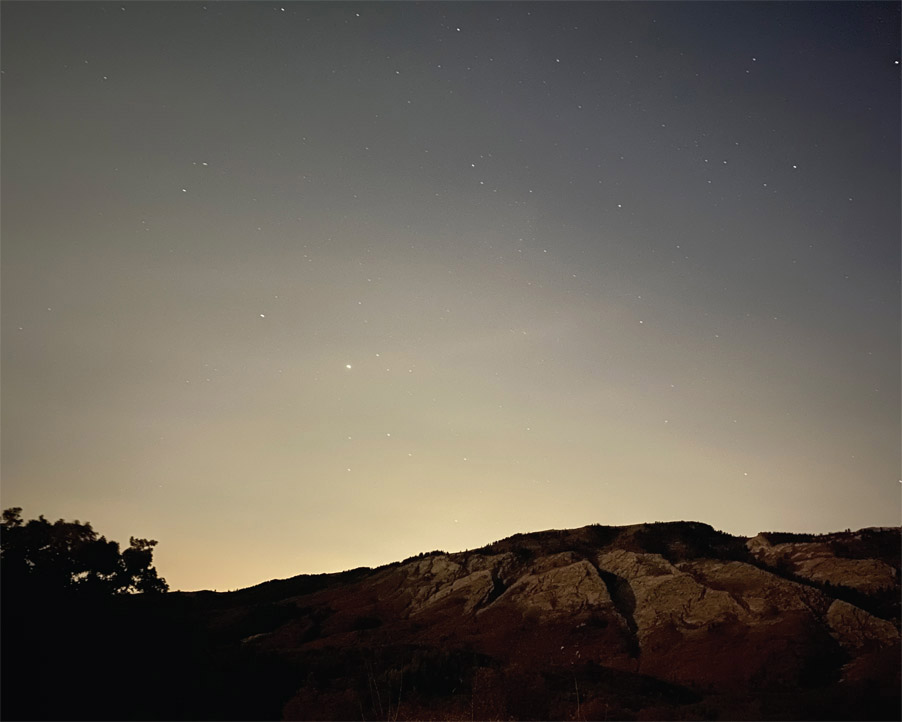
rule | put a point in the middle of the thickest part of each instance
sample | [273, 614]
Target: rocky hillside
[650, 621]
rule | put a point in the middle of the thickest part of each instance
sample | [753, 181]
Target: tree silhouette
[74, 608]
[38, 556]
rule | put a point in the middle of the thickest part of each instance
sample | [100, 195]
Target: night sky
[307, 286]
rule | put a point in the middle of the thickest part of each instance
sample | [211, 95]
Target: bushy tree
[71, 556]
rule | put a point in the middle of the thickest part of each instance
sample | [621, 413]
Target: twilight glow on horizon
[299, 287]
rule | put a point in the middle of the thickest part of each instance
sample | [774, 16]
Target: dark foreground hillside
[651, 621]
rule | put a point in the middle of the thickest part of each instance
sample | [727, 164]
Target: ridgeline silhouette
[649, 621]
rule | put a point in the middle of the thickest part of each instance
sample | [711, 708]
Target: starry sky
[307, 286]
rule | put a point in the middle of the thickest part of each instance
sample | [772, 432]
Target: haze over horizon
[300, 287]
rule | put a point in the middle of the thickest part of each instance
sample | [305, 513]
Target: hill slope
[645, 621]
[650, 621]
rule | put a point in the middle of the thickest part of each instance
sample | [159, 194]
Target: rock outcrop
[819, 561]
[667, 596]
[857, 630]
[552, 591]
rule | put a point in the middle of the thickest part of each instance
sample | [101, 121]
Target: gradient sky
[300, 287]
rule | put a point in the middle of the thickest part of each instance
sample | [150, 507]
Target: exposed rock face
[643, 622]
[855, 629]
[439, 578]
[474, 589]
[559, 591]
[666, 596]
[819, 562]
[760, 593]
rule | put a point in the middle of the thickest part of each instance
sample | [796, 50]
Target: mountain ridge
[668, 619]
[662, 620]
[524, 540]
